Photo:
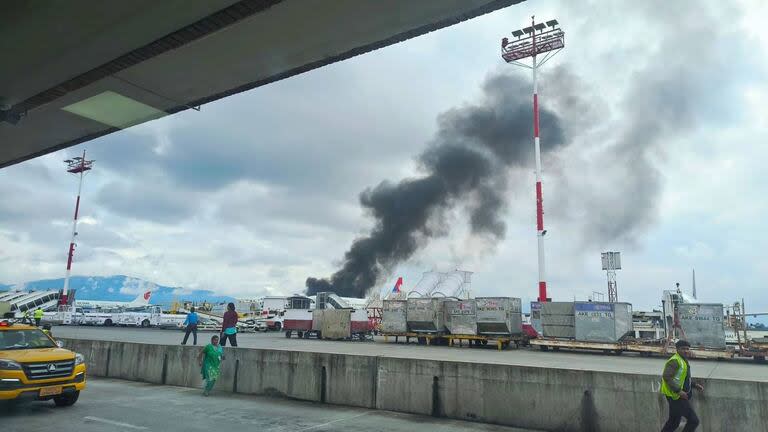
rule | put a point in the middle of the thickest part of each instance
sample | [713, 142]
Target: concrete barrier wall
[536, 398]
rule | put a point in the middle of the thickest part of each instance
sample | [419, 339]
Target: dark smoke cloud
[469, 160]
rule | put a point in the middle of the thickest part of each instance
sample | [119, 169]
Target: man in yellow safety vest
[38, 316]
[677, 387]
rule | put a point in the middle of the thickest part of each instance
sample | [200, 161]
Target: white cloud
[135, 286]
[698, 251]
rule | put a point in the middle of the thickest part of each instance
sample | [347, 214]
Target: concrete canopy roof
[76, 70]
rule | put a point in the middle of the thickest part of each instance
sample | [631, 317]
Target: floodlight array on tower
[532, 42]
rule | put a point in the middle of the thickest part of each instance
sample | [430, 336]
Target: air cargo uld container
[702, 324]
[499, 316]
[425, 315]
[393, 316]
[460, 317]
[536, 317]
[557, 320]
[341, 323]
[336, 323]
[601, 321]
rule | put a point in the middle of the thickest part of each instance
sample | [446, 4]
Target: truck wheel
[66, 400]
[145, 323]
[299, 335]
[306, 335]
[278, 326]
[108, 322]
[288, 334]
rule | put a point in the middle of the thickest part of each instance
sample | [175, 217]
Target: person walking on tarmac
[209, 360]
[677, 387]
[191, 326]
[38, 316]
[229, 326]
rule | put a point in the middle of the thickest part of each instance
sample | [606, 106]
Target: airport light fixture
[544, 40]
[79, 166]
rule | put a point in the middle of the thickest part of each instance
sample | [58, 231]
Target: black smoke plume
[469, 160]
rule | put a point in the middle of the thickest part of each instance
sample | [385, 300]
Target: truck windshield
[24, 339]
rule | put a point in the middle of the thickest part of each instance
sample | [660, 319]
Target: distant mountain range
[121, 288]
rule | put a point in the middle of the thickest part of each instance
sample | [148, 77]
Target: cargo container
[425, 315]
[702, 324]
[460, 316]
[557, 320]
[393, 316]
[602, 322]
[340, 323]
[536, 317]
[499, 316]
[336, 324]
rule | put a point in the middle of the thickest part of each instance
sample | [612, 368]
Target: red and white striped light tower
[77, 165]
[547, 42]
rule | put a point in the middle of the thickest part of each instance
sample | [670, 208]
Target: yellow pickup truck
[34, 367]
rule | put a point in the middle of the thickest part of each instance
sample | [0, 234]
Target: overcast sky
[663, 107]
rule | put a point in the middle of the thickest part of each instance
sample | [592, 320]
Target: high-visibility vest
[680, 375]
[38, 314]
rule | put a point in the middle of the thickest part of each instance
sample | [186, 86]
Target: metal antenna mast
[548, 42]
[78, 165]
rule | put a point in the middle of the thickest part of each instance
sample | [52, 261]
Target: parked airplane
[140, 301]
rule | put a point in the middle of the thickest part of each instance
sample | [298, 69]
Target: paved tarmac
[115, 405]
[743, 370]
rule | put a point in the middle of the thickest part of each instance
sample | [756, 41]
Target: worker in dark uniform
[677, 387]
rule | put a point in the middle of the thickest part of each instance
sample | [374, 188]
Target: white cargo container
[499, 316]
[461, 316]
[425, 315]
[602, 321]
[703, 324]
[394, 317]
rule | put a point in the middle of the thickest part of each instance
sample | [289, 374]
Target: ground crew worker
[47, 330]
[677, 387]
[38, 316]
[26, 319]
[191, 326]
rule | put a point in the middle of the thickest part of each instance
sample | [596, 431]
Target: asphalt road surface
[744, 370]
[115, 405]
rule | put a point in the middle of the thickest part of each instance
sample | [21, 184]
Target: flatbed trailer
[556, 344]
[757, 350]
[696, 353]
[500, 341]
[422, 338]
[644, 349]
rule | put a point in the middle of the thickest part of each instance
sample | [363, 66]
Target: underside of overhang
[74, 71]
